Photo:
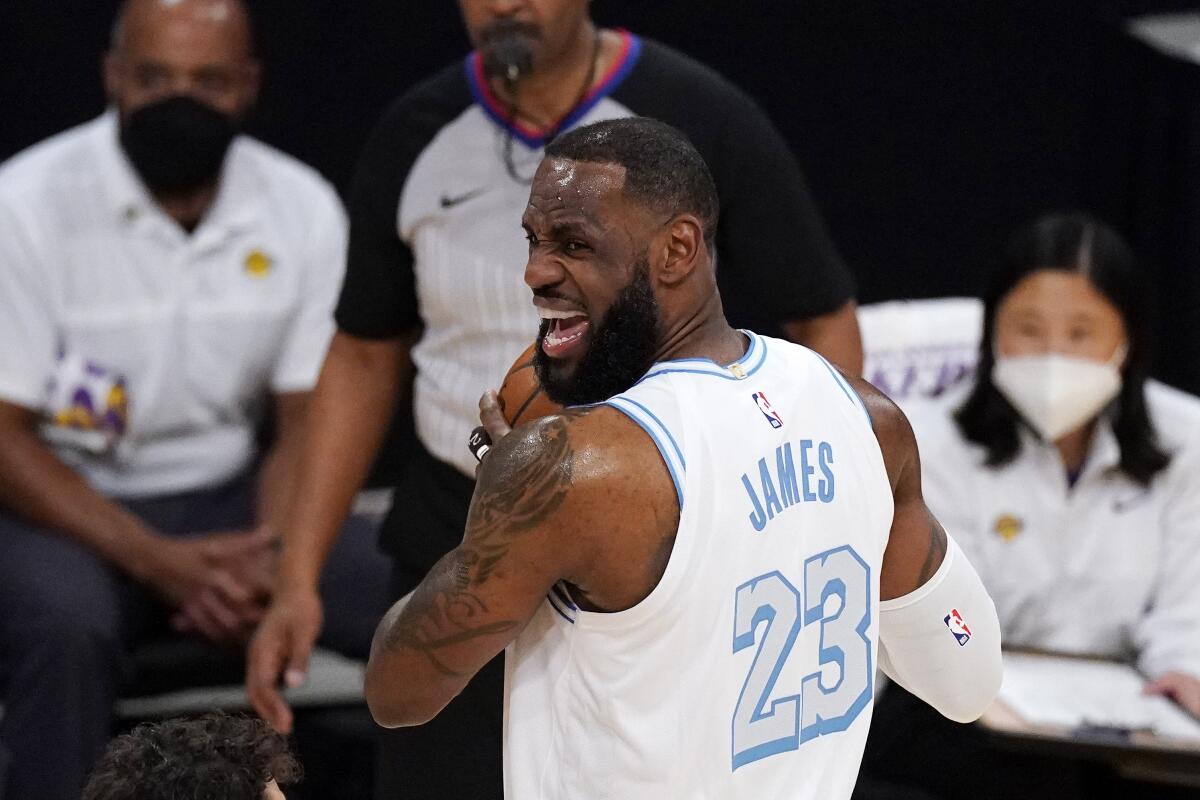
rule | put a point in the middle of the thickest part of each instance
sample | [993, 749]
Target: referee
[434, 300]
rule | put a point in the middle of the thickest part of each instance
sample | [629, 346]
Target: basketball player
[697, 567]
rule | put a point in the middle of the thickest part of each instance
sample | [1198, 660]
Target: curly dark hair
[213, 757]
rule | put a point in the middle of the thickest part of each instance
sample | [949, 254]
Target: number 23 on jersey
[769, 612]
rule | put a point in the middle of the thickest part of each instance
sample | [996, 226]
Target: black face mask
[621, 351]
[177, 145]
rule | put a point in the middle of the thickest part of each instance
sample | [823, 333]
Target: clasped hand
[217, 583]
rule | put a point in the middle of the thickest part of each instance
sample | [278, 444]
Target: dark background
[928, 130]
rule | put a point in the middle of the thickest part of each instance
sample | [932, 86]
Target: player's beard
[506, 47]
[621, 350]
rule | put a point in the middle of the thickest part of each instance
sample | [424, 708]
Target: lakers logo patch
[87, 406]
[258, 264]
[1008, 527]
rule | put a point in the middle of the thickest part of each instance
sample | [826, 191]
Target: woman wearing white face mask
[1072, 484]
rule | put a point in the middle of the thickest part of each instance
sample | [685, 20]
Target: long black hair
[1071, 242]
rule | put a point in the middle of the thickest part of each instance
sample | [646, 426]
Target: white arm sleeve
[942, 641]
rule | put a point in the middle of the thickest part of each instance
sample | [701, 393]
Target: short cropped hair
[216, 755]
[663, 171]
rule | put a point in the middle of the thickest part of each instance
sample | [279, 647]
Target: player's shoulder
[588, 449]
[887, 418]
[894, 432]
[594, 430]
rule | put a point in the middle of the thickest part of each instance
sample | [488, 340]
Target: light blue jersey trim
[653, 416]
[748, 364]
[846, 388]
[658, 433]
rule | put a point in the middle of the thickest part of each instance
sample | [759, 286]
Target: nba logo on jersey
[764, 405]
[954, 622]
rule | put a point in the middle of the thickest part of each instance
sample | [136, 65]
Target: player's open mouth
[565, 332]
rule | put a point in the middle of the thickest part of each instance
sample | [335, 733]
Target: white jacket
[1108, 567]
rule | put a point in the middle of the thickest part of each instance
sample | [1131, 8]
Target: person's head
[182, 77]
[217, 755]
[523, 34]
[621, 220]
[1064, 342]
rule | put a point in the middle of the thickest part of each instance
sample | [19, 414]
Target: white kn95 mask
[1057, 393]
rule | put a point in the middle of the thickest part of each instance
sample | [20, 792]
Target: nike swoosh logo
[451, 202]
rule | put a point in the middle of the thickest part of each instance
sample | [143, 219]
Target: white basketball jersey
[748, 671]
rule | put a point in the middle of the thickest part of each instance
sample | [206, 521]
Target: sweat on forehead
[584, 178]
[565, 190]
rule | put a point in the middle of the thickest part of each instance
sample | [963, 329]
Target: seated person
[162, 281]
[217, 756]
[1072, 482]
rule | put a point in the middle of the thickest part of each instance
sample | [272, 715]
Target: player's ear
[683, 246]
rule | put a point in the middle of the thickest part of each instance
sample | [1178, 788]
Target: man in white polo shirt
[163, 283]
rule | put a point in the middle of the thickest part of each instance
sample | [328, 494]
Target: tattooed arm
[939, 636]
[479, 596]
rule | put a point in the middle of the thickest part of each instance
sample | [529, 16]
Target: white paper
[1073, 692]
